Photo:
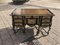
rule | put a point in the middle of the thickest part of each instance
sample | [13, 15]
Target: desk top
[34, 12]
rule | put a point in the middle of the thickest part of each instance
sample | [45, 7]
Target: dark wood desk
[41, 17]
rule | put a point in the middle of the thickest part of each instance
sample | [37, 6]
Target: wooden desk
[21, 17]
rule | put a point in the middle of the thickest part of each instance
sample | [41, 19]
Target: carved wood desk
[40, 17]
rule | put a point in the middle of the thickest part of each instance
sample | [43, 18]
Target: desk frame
[24, 19]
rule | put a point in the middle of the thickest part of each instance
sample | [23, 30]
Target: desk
[41, 17]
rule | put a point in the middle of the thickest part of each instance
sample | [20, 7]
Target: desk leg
[23, 22]
[50, 24]
[38, 31]
[38, 28]
[49, 28]
[14, 29]
[13, 24]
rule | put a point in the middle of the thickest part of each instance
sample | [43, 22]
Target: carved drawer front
[31, 21]
[17, 17]
[46, 17]
[32, 16]
[46, 21]
[46, 24]
[18, 21]
[36, 16]
[18, 25]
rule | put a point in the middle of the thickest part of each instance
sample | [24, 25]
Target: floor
[45, 3]
[7, 37]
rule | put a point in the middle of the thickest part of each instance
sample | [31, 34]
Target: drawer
[17, 16]
[36, 16]
[32, 16]
[46, 20]
[16, 24]
[45, 25]
[31, 21]
[46, 17]
[27, 16]
[18, 20]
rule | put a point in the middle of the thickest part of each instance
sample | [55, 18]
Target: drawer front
[17, 17]
[46, 20]
[31, 21]
[46, 17]
[32, 16]
[18, 21]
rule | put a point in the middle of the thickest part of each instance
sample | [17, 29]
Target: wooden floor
[7, 37]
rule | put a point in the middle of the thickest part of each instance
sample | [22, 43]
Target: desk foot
[44, 32]
[24, 30]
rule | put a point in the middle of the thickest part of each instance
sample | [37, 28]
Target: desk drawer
[32, 16]
[18, 21]
[16, 24]
[31, 21]
[46, 21]
[46, 17]
[17, 17]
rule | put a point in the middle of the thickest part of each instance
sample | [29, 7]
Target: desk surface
[34, 12]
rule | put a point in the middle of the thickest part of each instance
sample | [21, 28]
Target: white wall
[5, 1]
